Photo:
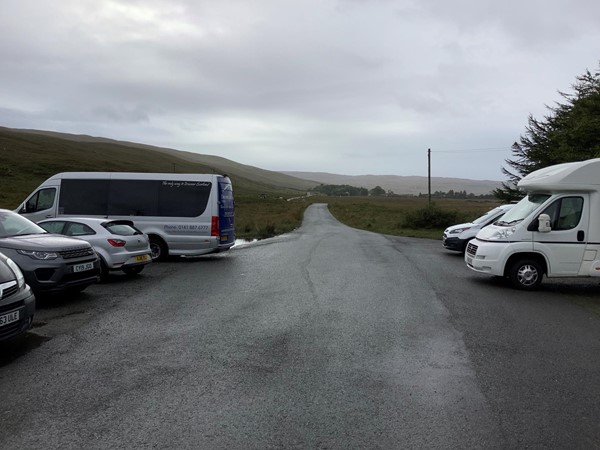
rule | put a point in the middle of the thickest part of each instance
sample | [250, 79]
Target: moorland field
[267, 203]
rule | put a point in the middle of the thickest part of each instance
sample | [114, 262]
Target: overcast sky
[343, 86]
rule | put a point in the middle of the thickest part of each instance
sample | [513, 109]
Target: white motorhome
[183, 214]
[554, 230]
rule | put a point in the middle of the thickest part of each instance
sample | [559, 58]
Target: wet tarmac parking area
[15, 348]
[48, 309]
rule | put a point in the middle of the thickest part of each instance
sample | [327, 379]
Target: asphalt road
[328, 337]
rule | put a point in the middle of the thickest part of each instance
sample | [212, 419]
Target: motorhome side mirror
[544, 223]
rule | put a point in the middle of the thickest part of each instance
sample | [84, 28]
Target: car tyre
[158, 249]
[103, 271]
[526, 274]
[133, 270]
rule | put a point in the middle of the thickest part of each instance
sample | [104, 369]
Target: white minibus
[183, 214]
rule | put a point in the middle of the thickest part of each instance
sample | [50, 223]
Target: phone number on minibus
[186, 229]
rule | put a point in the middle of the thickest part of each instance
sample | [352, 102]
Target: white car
[118, 243]
[456, 237]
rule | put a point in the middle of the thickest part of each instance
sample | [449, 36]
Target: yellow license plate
[224, 237]
[141, 258]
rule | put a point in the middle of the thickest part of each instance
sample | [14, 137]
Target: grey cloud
[353, 84]
[131, 115]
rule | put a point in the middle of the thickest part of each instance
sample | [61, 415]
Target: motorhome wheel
[526, 274]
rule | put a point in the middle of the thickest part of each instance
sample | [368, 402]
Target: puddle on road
[240, 242]
[12, 350]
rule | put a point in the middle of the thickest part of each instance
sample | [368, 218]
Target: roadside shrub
[266, 231]
[430, 217]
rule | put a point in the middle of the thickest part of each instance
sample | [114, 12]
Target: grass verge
[394, 215]
[262, 217]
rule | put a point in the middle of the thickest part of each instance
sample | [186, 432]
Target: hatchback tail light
[116, 242]
[214, 226]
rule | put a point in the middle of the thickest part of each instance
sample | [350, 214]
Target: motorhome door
[565, 244]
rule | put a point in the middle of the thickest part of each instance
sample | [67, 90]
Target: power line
[474, 150]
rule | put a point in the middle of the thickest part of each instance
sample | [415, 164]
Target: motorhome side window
[134, 197]
[565, 213]
[41, 200]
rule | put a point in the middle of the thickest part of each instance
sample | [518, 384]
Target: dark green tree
[570, 132]
[377, 191]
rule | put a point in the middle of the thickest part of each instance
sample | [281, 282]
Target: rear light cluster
[214, 226]
[116, 242]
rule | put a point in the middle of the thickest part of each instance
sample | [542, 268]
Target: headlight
[38, 254]
[502, 233]
[20, 278]
[459, 230]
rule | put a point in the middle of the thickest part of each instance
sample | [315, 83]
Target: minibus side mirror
[544, 223]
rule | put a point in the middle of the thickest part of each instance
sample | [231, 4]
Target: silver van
[182, 214]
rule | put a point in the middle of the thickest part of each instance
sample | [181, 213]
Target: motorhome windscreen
[160, 198]
[522, 209]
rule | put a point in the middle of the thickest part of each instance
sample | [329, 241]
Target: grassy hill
[28, 157]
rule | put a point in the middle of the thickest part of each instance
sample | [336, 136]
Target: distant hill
[28, 157]
[412, 185]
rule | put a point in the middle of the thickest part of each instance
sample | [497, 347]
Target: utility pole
[429, 173]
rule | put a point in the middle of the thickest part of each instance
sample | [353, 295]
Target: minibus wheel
[158, 249]
[526, 274]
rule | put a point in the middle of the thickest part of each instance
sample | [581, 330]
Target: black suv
[49, 262]
[17, 303]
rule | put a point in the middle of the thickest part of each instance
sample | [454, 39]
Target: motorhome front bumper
[484, 257]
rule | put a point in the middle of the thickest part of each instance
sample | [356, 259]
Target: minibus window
[133, 198]
[41, 200]
[183, 198]
[86, 197]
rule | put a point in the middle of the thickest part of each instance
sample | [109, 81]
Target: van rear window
[134, 197]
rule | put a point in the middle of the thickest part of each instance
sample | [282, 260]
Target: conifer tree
[570, 132]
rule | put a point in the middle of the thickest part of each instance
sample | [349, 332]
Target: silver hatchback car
[120, 246]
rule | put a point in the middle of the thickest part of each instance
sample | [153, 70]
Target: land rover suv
[49, 262]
